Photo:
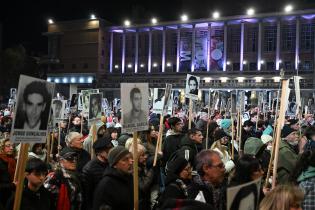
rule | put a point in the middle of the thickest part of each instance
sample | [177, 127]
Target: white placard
[192, 87]
[95, 107]
[86, 99]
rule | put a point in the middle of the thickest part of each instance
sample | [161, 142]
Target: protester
[7, 170]
[37, 150]
[220, 146]
[112, 133]
[284, 197]
[115, 190]
[64, 184]
[210, 180]
[34, 195]
[93, 171]
[75, 142]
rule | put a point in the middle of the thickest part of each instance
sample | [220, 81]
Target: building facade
[239, 52]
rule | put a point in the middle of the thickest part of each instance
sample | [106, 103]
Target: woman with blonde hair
[220, 145]
[284, 197]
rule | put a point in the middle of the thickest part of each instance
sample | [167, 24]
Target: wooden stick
[94, 137]
[135, 172]
[158, 147]
[48, 147]
[52, 143]
[232, 150]
[238, 128]
[20, 178]
[280, 123]
[240, 151]
[207, 134]
[81, 123]
[190, 113]
[59, 135]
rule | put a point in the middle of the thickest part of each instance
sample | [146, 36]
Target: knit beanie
[286, 130]
[252, 146]
[219, 134]
[266, 138]
[116, 154]
[225, 123]
[176, 165]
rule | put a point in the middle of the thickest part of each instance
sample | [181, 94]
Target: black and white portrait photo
[192, 87]
[74, 100]
[95, 107]
[159, 103]
[33, 108]
[13, 93]
[59, 108]
[86, 99]
[134, 101]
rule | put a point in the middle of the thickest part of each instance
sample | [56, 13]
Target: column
[163, 48]
[150, 51]
[242, 47]
[225, 47]
[193, 48]
[178, 49]
[297, 43]
[208, 47]
[259, 45]
[136, 50]
[278, 46]
[123, 52]
[111, 52]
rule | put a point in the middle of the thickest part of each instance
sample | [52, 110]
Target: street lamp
[288, 8]
[50, 21]
[216, 15]
[250, 11]
[127, 23]
[154, 21]
[92, 17]
[184, 17]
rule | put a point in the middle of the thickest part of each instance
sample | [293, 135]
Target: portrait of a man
[33, 107]
[193, 85]
[136, 113]
[57, 109]
[95, 106]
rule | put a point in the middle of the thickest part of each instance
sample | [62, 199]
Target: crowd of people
[191, 172]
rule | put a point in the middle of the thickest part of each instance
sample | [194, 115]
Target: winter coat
[92, 174]
[39, 200]
[6, 185]
[65, 188]
[287, 161]
[83, 158]
[146, 178]
[307, 183]
[171, 144]
[214, 195]
[115, 190]
[185, 204]
[192, 147]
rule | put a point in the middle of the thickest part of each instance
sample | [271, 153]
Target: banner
[201, 51]
[217, 49]
[185, 51]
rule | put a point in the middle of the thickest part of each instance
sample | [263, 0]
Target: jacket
[115, 190]
[287, 161]
[6, 185]
[171, 144]
[192, 147]
[146, 178]
[92, 174]
[307, 184]
[83, 158]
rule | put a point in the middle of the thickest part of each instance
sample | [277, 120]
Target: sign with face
[32, 110]
[192, 87]
[135, 109]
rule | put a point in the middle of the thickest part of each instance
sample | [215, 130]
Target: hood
[171, 132]
[309, 173]
[187, 142]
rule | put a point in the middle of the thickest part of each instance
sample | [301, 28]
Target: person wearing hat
[294, 124]
[173, 138]
[287, 154]
[64, 184]
[247, 132]
[93, 171]
[221, 146]
[115, 190]
[74, 141]
[34, 195]
[178, 175]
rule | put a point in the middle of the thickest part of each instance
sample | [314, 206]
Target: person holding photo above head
[136, 114]
[193, 85]
[34, 113]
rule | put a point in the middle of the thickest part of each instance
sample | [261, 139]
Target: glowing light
[288, 8]
[223, 79]
[48, 79]
[250, 11]
[127, 23]
[90, 80]
[184, 17]
[276, 79]
[207, 79]
[216, 15]
[154, 64]
[50, 21]
[57, 80]
[65, 80]
[129, 65]
[116, 66]
[168, 64]
[240, 79]
[141, 65]
[72, 80]
[92, 17]
[228, 63]
[154, 21]
[81, 80]
[258, 79]
[262, 62]
[244, 62]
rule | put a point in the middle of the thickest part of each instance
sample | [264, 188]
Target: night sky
[24, 21]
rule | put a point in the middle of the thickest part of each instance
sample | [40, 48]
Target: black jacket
[171, 144]
[192, 147]
[39, 200]
[92, 174]
[83, 158]
[115, 190]
[6, 186]
[146, 178]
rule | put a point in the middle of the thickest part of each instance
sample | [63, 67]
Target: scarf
[309, 173]
[11, 164]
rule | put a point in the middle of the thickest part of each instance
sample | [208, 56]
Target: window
[270, 38]
[307, 36]
[85, 66]
[236, 66]
[74, 66]
[270, 65]
[251, 39]
[288, 37]
[253, 66]
[235, 40]
[287, 65]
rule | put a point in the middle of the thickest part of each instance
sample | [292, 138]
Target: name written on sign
[29, 133]
[132, 125]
